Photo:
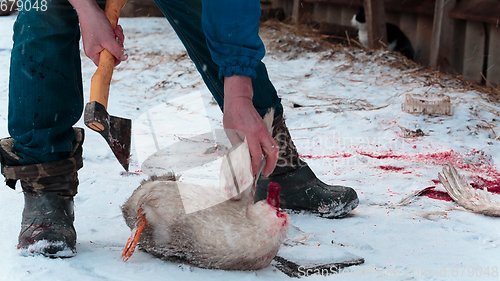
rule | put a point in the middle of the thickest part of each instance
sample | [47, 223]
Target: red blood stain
[437, 158]
[382, 156]
[492, 185]
[483, 174]
[479, 182]
[437, 194]
[436, 181]
[391, 168]
[273, 192]
[308, 156]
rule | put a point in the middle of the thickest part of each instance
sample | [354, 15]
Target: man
[45, 101]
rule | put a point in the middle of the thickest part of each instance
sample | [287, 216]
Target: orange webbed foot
[135, 236]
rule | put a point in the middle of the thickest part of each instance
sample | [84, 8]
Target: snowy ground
[344, 112]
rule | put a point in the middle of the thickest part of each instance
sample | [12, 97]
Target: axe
[115, 130]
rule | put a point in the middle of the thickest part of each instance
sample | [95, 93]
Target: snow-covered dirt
[343, 108]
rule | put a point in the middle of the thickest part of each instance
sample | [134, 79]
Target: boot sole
[48, 249]
[344, 210]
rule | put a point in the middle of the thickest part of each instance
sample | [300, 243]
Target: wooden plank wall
[442, 35]
[493, 60]
[418, 27]
[424, 36]
[459, 37]
[375, 20]
[475, 38]
[457, 47]
[479, 21]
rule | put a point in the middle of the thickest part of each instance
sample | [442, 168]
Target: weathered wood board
[474, 51]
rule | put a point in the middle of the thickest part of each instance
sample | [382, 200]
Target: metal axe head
[115, 130]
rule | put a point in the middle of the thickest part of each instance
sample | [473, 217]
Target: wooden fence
[460, 37]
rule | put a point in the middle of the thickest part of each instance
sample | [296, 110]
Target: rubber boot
[47, 222]
[301, 189]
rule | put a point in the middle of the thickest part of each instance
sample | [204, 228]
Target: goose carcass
[190, 223]
[232, 235]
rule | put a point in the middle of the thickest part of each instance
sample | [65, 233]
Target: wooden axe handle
[99, 87]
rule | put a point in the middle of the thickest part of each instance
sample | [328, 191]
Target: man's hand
[97, 33]
[240, 115]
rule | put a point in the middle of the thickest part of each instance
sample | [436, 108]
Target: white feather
[475, 200]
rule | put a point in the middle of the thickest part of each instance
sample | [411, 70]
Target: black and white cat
[396, 39]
